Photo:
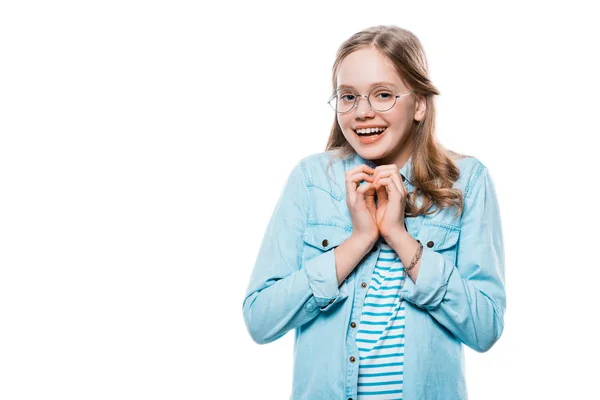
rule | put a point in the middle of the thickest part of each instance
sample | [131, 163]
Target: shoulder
[317, 162]
[320, 159]
[470, 168]
[325, 171]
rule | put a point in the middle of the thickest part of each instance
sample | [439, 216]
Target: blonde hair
[433, 167]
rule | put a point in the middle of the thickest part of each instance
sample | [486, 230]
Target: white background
[144, 145]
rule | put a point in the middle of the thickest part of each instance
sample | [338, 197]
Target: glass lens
[344, 100]
[382, 98]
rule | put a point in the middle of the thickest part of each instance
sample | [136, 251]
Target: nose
[363, 109]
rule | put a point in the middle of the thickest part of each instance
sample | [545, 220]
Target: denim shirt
[458, 297]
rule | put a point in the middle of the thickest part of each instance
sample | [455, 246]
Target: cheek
[400, 118]
[344, 122]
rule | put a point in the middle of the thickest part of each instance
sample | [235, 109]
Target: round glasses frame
[357, 96]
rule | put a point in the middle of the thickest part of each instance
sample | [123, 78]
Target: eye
[384, 95]
[347, 97]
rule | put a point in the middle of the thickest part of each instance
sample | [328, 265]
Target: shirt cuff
[432, 281]
[322, 280]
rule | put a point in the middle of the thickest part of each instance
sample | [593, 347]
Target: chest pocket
[319, 238]
[441, 239]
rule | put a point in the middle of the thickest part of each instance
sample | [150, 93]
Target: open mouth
[370, 131]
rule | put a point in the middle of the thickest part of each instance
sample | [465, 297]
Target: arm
[282, 293]
[468, 298]
[349, 254]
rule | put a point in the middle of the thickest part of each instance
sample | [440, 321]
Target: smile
[374, 135]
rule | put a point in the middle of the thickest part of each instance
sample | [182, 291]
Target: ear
[420, 108]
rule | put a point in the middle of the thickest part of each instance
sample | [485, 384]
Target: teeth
[370, 130]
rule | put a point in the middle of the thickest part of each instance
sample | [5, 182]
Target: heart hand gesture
[391, 200]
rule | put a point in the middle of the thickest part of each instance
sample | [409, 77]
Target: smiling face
[361, 71]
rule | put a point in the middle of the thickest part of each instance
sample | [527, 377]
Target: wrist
[397, 237]
[415, 259]
[363, 242]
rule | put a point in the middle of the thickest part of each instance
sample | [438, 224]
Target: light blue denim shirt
[459, 295]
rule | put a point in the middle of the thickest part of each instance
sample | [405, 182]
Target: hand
[361, 201]
[391, 200]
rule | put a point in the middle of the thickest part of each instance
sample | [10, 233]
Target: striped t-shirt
[380, 336]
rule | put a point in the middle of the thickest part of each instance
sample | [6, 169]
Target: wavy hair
[433, 167]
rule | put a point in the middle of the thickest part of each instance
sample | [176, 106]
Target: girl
[385, 251]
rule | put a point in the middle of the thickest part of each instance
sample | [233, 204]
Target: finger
[367, 191]
[366, 188]
[381, 191]
[383, 169]
[384, 186]
[391, 189]
[378, 177]
[398, 183]
[361, 168]
[390, 173]
[391, 184]
[353, 181]
[358, 177]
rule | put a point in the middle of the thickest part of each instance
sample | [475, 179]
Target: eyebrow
[381, 83]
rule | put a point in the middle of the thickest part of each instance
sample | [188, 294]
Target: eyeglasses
[380, 98]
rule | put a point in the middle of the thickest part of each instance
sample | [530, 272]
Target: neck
[399, 158]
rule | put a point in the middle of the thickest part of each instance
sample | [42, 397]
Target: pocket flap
[325, 237]
[438, 237]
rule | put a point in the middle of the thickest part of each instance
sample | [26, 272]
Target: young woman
[384, 252]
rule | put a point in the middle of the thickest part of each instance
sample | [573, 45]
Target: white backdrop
[144, 144]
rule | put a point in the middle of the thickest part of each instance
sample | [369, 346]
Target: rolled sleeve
[432, 282]
[467, 296]
[278, 297]
[322, 278]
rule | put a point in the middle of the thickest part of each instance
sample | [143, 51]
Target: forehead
[367, 67]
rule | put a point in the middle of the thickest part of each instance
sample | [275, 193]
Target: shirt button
[430, 244]
[364, 284]
[353, 324]
[325, 243]
[352, 359]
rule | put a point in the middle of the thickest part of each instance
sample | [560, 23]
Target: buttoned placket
[361, 286]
